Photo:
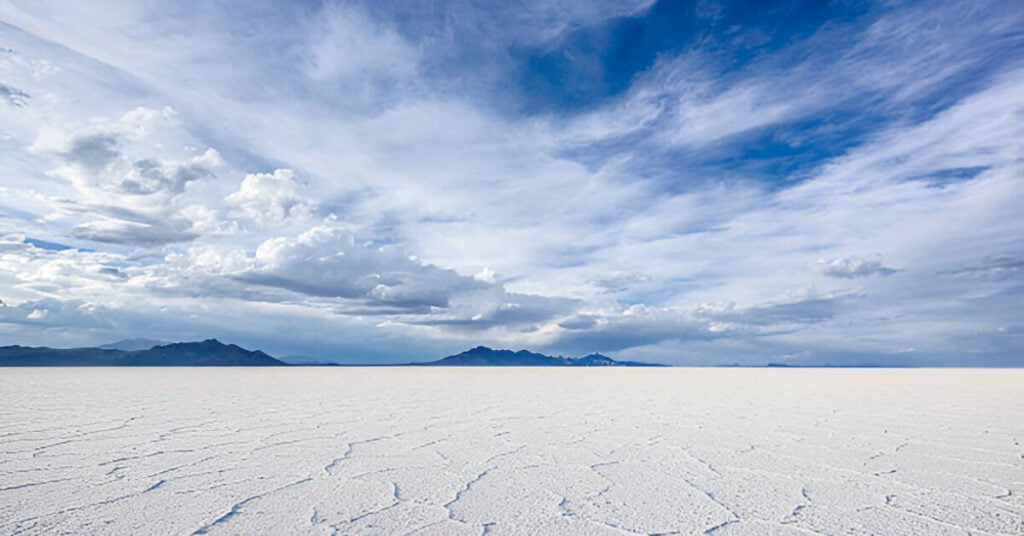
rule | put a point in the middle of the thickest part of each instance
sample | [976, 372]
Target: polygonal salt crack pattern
[511, 451]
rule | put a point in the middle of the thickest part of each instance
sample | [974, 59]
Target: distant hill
[132, 345]
[482, 356]
[307, 361]
[208, 353]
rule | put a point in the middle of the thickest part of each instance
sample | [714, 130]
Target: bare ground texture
[511, 451]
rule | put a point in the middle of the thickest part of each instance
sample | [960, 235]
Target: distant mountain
[131, 345]
[482, 356]
[208, 353]
[26, 356]
[598, 360]
[213, 353]
[307, 361]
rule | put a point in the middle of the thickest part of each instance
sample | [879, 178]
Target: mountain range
[208, 353]
[137, 343]
[482, 356]
[213, 353]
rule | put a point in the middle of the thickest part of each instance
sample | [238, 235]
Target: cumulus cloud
[854, 266]
[352, 277]
[51, 312]
[108, 159]
[62, 273]
[272, 198]
[330, 262]
[127, 195]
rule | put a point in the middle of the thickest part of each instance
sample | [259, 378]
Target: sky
[693, 183]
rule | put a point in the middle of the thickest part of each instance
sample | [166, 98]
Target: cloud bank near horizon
[689, 183]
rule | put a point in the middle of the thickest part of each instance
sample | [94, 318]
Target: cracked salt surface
[511, 451]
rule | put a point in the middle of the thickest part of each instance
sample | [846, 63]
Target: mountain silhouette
[482, 356]
[208, 353]
[131, 345]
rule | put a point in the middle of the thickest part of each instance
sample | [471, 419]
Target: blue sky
[686, 182]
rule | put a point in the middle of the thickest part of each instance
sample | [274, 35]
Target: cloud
[13, 96]
[127, 196]
[854, 267]
[637, 326]
[358, 278]
[620, 281]
[610, 330]
[348, 45]
[49, 313]
[330, 262]
[107, 160]
[94, 152]
[996, 266]
[807, 308]
[147, 234]
[272, 198]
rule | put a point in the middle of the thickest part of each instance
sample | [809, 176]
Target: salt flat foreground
[511, 451]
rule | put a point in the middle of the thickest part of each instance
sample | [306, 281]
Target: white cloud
[37, 314]
[126, 195]
[347, 44]
[54, 313]
[109, 158]
[325, 261]
[854, 267]
[329, 262]
[270, 198]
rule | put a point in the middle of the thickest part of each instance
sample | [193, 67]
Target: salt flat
[511, 451]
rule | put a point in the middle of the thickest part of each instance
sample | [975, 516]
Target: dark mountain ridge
[482, 356]
[208, 353]
[213, 353]
[136, 343]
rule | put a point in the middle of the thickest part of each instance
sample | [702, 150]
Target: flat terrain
[511, 451]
